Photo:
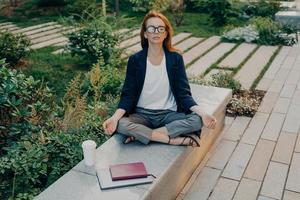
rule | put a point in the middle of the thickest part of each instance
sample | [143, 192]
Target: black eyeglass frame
[156, 28]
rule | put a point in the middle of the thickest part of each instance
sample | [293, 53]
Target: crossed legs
[175, 132]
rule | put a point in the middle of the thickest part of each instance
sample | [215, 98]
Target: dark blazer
[135, 76]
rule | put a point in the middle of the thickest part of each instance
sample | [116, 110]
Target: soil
[250, 95]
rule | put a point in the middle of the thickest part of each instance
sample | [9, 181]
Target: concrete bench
[289, 17]
[172, 165]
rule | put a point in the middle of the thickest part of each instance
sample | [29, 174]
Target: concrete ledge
[288, 17]
[172, 165]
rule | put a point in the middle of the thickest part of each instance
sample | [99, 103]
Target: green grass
[56, 70]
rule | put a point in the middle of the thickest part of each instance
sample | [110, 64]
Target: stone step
[4, 24]
[59, 51]
[51, 36]
[123, 30]
[180, 37]
[30, 28]
[61, 44]
[135, 48]
[129, 42]
[43, 29]
[235, 58]
[49, 43]
[277, 63]
[201, 65]
[199, 49]
[7, 26]
[46, 33]
[132, 33]
[251, 69]
[188, 43]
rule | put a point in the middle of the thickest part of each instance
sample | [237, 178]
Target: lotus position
[156, 102]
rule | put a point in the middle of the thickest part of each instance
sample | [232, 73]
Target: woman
[156, 102]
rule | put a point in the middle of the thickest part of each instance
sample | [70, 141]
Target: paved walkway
[259, 157]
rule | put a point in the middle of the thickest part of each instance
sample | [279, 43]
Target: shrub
[25, 104]
[146, 5]
[51, 3]
[103, 81]
[261, 8]
[13, 47]
[82, 7]
[94, 41]
[263, 31]
[241, 34]
[221, 79]
[218, 10]
[272, 33]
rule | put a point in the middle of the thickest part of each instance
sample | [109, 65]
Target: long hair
[167, 43]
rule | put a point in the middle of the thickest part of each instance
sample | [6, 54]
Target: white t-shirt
[156, 93]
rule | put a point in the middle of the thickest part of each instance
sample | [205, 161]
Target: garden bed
[245, 102]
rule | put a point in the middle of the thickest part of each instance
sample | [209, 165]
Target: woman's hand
[209, 121]
[110, 125]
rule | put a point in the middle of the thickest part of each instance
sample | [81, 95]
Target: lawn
[56, 70]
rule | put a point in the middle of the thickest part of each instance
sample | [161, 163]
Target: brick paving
[258, 158]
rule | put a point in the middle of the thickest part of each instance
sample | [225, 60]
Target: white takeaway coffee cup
[89, 152]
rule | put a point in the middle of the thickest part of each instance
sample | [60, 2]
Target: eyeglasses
[152, 29]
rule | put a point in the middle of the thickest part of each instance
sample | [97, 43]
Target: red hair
[168, 40]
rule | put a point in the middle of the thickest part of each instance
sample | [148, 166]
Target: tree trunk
[117, 7]
[104, 8]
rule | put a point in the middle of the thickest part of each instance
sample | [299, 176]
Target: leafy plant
[218, 10]
[103, 81]
[48, 3]
[241, 34]
[24, 104]
[263, 30]
[261, 8]
[271, 33]
[221, 79]
[13, 47]
[81, 8]
[94, 41]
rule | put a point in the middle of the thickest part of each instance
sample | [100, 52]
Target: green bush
[82, 7]
[102, 82]
[261, 8]
[221, 79]
[13, 47]
[94, 41]
[218, 10]
[272, 33]
[25, 104]
[43, 143]
[48, 3]
[264, 31]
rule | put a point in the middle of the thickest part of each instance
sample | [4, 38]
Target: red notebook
[128, 171]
